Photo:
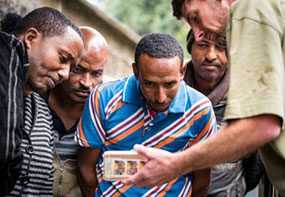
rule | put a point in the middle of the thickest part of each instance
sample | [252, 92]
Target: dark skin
[209, 64]
[68, 98]
[88, 175]
[159, 79]
[159, 86]
[50, 58]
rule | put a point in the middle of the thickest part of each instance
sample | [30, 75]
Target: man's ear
[30, 36]
[183, 70]
[135, 70]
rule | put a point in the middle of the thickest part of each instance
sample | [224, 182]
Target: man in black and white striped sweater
[35, 55]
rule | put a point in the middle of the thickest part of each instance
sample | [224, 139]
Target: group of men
[255, 101]
[49, 67]
[47, 85]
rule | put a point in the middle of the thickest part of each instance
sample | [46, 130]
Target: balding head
[95, 47]
[92, 38]
[88, 73]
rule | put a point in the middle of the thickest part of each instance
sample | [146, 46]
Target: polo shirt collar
[132, 94]
[178, 104]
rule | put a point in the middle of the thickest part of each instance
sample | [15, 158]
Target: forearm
[88, 176]
[87, 189]
[240, 137]
[200, 183]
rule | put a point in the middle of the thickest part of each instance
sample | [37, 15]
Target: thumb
[150, 153]
[145, 152]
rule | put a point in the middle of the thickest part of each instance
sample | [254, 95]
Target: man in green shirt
[256, 100]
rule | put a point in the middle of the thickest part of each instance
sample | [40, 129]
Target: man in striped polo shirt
[153, 107]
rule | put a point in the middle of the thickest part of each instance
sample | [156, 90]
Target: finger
[134, 179]
[127, 180]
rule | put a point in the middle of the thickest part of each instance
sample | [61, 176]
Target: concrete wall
[121, 40]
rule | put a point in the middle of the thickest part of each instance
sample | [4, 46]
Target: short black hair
[177, 8]
[190, 39]
[220, 41]
[48, 21]
[159, 45]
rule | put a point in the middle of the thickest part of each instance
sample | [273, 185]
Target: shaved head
[93, 40]
[89, 71]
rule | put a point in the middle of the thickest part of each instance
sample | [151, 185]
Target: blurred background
[146, 16]
[122, 23]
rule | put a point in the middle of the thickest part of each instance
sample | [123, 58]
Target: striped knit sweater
[36, 177]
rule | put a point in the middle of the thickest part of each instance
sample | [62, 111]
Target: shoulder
[10, 45]
[5, 37]
[196, 101]
[5, 46]
[107, 91]
[110, 88]
[8, 40]
[194, 95]
[39, 103]
[266, 12]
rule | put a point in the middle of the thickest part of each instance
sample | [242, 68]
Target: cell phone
[121, 164]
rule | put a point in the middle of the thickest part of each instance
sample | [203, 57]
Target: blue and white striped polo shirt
[116, 118]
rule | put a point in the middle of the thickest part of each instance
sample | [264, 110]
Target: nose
[86, 81]
[64, 73]
[211, 54]
[160, 96]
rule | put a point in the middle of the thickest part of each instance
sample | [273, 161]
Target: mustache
[216, 64]
[83, 89]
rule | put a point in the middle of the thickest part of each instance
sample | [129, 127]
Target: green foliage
[145, 16]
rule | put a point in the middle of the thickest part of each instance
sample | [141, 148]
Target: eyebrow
[70, 57]
[172, 81]
[79, 65]
[98, 70]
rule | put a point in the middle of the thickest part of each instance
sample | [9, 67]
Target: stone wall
[121, 40]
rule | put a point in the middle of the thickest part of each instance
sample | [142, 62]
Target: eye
[148, 84]
[169, 85]
[77, 69]
[63, 59]
[221, 46]
[202, 44]
[97, 74]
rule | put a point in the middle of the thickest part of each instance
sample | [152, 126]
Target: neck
[204, 86]
[68, 111]
[27, 89]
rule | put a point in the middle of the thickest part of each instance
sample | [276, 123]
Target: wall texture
[121, 40]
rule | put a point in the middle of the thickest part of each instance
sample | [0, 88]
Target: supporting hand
[160, 167]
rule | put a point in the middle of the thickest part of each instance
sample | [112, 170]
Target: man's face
[206, 16]
[159, 80]
[50, 58]
[85, 75]
[209, 60]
